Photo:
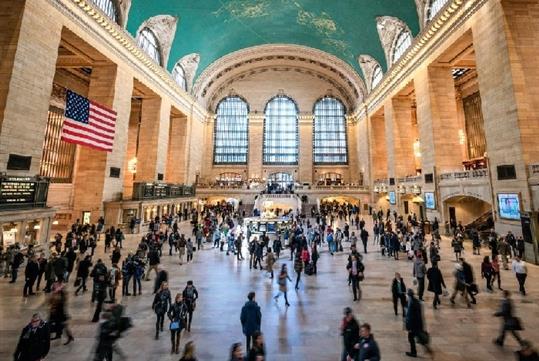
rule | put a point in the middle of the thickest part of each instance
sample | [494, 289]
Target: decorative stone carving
[123, 7]
[189, 63]
[367, 64]
[389, 28]
[164, 28]
[279, 56]
[422, 8]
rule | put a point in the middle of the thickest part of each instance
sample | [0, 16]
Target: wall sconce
[462, 137]
[132, 165]
[417, 149]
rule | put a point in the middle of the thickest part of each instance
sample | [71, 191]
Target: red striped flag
[88, 123]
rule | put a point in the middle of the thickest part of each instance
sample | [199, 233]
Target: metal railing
[469, 174]
[143, 190]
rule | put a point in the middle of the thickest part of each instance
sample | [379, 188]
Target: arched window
[147, 41]
[108, 7]
[230, 136]
[329, 141]
[179, 76]
[377, 76]
[404, 40]
[434, 8]
[283, 180]
[281, 131]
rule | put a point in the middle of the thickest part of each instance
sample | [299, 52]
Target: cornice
[109, 34]
[433, 35]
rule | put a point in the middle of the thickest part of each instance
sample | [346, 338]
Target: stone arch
[164, 28]
[389, 28]
[368, 64]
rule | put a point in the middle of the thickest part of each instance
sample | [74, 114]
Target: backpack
[189, 293]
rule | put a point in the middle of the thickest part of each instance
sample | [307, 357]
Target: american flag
[88, 123]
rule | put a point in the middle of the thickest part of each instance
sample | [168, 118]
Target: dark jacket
[350, 336]
[414, 316]
[510, 322]
[254, 352]
[32, 270]
[84, 268]
[436, 280]
[395, 287]
[178, 313]
[468, 272]
[368, 350]
[161, 302]
[34, 344]
[250, 318]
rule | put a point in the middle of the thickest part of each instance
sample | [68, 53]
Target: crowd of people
[333, 228]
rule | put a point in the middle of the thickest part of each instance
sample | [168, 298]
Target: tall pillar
[352, 129]
[305, 158]
[506, 49]
[153, 139]
[29, 41]
[399, 137]
[177, 150]
[378, 154]
[363, 148]
[256, 140]
[196, 148]
[437, 120]
[112, 87]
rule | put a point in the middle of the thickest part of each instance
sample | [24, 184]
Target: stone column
[110, 87]
[437, 120]
[378, 155]
[363, 148]
[399, 137]
[153, 139]
[352, 129]
[305, 157]
[506, 55]
[177, 150]
[256, 140]
[29, 39]
[196, 148]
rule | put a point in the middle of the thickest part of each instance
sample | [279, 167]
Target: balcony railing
[410, 179]
[144, 190]
[469, 174]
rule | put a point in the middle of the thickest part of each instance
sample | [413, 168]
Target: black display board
[17, 192]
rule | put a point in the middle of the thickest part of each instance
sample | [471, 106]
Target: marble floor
[307, 330]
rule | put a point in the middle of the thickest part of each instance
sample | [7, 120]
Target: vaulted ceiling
[215, 28]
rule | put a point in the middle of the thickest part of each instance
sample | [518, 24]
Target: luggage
[309, 269]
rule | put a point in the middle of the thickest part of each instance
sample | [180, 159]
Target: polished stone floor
[307, 330]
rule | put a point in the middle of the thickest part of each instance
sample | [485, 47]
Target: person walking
[270, 261]
[415, 325]
[182, 245]
[496, 272]
[154, 260]
[83, 270]
[398, 291]
[521, 272]
[419, 273]
[258, 352]
[31, 273]
[486, 272]
[355, 270]
[34, 342]
[283, 285]
[350, 335]
[58, 315]
[160, 305]
[251, 319]
[436, 282]
[364, 235]
[189, 352]
[99, 294]
[509, 321]
[177, 315]
[368, 348]
[460, 285]
[298, 268]
[190, 297]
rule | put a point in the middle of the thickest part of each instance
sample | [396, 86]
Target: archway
[280, 181]
[471, 212]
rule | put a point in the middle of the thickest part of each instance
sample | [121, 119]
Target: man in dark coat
[398, 291]
[436, 281]
[250, 318]
[469, 279]
[99, 274]
[364, 235]
[368, 348]
[34, 343]
[350, 334]
[30, 275]
[415, 325]
[510, 322]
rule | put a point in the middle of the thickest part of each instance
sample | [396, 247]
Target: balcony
[470, 183]
[410, 179]
[465, 175]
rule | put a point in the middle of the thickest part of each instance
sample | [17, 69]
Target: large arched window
[434, 8]
[230, 136]
[281, 179]
[179, 76]
[377, 76]
[148, 42]
[108, 7]
[329, 141]
[281, 131]
[404, 40]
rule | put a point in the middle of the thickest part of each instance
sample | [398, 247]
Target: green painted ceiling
[214, 28]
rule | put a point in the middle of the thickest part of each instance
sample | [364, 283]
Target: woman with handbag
[178, 318]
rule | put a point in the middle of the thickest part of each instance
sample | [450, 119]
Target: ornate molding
[389, 28]
[118, 41]
[296, 56]
[164, 28]
[446, 22]
[367, 64]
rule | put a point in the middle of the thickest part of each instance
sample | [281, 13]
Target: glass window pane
[179, 76]
[376, 76]
[147, 41]
[435, 7]
[230, 136]
[329, 140]
[281, 132]
[108, 7]
[404, 40]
